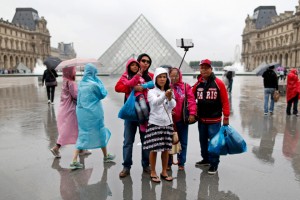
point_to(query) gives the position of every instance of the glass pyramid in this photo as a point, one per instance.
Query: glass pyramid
(140, 37)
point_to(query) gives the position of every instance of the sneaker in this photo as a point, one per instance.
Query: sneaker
(109, 158)
(55, 152)
(52, 103)
(49, 101)
(296, 115)
(271, 113)
(202, 163)
(85, 152)
(212, 170)
(76, 165)
(125, 172)
(265, 113)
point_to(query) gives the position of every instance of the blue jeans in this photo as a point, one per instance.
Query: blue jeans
(269, 92)
(206, 133)
(130, 129)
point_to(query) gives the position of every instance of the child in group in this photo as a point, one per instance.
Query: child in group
(66, 119)
(90, 116)
(134, 78)
(159, 132)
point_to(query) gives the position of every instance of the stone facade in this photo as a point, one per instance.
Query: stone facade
(268, 37)
(24, 40)
(64, 51)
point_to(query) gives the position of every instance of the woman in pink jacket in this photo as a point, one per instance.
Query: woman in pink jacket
(292, 92)
(66, 120)
(179, 88)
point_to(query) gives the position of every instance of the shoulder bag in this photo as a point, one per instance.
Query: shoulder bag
(51, 83)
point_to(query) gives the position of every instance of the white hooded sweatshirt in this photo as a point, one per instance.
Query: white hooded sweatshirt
(160, 106)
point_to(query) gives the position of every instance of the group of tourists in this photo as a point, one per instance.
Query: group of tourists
(159, 98)
(165, 93)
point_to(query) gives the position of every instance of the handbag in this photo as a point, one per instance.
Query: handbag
(276, 96)
(176, 148)
(185, 110)
(175, 138)
(128, 112)
(51, 83)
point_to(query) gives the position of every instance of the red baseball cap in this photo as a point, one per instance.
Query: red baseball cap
(205, 61)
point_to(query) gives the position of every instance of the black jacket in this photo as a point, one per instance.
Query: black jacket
(49, 75)
(270, 79)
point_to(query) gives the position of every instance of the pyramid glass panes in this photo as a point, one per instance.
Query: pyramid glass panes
(140, 37)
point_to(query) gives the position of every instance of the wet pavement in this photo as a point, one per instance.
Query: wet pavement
(270, 169)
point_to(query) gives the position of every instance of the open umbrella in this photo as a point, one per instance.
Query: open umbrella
(77, 62)
(230, 68)
(52, 62)
(263, 67)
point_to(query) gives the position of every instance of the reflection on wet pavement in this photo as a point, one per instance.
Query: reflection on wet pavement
(269, 170)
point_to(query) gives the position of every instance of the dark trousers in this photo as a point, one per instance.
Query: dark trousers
(295, 107)
(50, 92)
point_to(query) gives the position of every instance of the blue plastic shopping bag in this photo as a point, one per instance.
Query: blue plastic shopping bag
(128, 112)
(217, 143)
(234, 141)
(227, 141)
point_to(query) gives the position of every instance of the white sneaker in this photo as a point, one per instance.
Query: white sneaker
(55, 152)
(76, 165)
(49, 101)
(52, 103)
(109, 158)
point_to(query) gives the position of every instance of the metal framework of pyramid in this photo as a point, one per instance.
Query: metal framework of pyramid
(140, 37)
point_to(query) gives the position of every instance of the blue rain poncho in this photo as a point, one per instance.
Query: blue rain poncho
(92, 132)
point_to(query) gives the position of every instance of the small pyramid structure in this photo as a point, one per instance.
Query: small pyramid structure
(140, 37)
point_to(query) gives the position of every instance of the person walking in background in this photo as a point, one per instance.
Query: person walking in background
(92, 132)
(158, 137)
(270, 86)
(49, 79)
(181, 91)
(292, 92)
(285, 72)
(130, 127)
(66, 120)
(229, 76)
(212, 100)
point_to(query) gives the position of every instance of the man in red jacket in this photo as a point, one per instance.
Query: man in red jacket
(212, 100)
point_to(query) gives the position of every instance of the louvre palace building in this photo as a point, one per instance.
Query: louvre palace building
(24, 40)
(269, 37)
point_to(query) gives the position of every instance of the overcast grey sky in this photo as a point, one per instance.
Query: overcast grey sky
(215, 26)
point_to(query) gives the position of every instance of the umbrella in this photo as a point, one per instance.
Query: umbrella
(230, 68)
(263, 67)
(52, 62)
(77, 62)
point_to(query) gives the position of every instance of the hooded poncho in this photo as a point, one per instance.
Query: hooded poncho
(92, 132)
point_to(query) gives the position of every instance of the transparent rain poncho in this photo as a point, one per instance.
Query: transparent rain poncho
(92, 131)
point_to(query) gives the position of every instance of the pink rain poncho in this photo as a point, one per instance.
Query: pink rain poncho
(66, 120)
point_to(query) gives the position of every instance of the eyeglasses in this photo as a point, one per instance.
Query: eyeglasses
(145, 61)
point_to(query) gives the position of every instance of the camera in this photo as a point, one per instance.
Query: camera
(184, 43)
